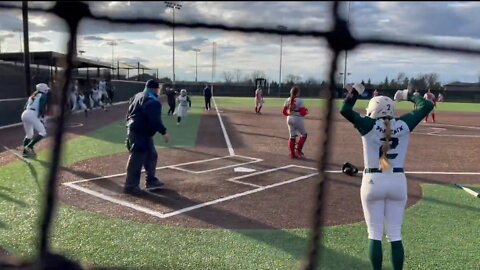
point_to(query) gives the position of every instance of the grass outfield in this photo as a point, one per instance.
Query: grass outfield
(439, 231)
(243, 102)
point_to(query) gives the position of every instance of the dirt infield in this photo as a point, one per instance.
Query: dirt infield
(203, 189)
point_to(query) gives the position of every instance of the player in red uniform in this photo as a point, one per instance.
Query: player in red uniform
(430, 97)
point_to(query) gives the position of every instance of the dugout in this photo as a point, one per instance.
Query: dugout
(44, 66)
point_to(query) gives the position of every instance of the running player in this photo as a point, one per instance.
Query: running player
(184, 103)
(430, 97)
(295, 111)
(33, 119)
(384, 186)
(258, 100)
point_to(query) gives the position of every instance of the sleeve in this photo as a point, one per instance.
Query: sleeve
(154, 109)
(285, 108)
(42, 106)
(423, 108)
(362, 124)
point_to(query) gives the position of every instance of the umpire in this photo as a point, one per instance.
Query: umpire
(143, 122)
(171, 100)
(207, 93)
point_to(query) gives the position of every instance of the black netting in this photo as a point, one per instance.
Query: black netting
(339, 39)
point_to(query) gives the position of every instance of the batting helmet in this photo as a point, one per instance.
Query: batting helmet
(380, 106)
(42, 87)
(349, 169)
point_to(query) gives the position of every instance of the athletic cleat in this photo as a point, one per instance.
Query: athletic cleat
(134, 191)
(28, 152)
(300, 155)
(154, 184)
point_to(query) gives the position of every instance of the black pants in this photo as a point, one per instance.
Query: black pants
(172, 107)
(207, 103)
(110, 96)
(142, 154)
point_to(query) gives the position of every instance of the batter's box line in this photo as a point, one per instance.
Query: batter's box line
(186, 209)
(253, 160)
(174, 166)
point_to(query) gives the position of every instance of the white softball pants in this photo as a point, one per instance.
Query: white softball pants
(31, 122)
(296, 125)
(384, 197)
(182, 111)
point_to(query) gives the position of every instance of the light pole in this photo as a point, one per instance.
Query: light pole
(283, 28)
(346, 52)
(196, 62)
(112, 43)
(173, 6)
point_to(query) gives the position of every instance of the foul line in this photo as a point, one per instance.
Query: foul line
(50, 117)
(227, 139)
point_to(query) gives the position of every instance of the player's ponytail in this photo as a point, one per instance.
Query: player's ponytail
(293, 94)
(384, 164)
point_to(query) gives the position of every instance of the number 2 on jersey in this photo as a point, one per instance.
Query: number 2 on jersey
(393, 145)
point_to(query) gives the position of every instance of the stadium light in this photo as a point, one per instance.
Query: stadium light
(196, 62)
(112, 43)
(283, 28)
(173, 6)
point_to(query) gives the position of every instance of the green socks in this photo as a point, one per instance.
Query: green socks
(26, 141)
(376, 257)
(397, 255)
(375, 253)
(34, 141)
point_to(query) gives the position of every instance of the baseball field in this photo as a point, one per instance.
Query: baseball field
(233, 198)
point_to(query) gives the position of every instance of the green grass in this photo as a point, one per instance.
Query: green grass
(440, 232)
(244, 102)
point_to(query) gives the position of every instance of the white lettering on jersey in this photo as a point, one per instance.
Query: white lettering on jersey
(374, 140)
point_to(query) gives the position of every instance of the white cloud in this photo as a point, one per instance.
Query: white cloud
(450, 22)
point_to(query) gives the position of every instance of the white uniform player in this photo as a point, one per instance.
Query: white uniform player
(102, 86)
(33, 118)
(73, 95)
(97, 97)
(295, 110)
(384, 187)
(258, 100)
(184, 103)
(430, 97)
(81, 103)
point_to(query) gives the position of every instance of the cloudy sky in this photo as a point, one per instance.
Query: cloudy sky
(449, 22)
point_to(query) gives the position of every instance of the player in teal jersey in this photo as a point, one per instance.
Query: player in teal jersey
(33, 119)
(384, 185)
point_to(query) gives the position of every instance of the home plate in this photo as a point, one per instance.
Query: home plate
(243, 169)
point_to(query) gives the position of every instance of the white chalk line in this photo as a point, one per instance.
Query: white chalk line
(225, 135)
(252, 160)
(116, 201)
(50, 117)
(175, 167)
(193, 207)
(439, 129)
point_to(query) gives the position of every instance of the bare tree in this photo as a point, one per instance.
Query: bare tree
(257, 74)
(228, 76)
(311, 81)
(238, 74)
(293, 79)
